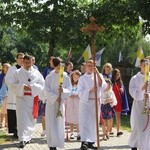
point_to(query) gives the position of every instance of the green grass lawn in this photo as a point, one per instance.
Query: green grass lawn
(4, 138)
(125, 122)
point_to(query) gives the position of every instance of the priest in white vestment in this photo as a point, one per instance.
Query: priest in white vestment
(55, 126)
(27, 84)
(87, 114)
(140, 136)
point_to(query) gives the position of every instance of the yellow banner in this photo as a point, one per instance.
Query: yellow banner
(140, 54)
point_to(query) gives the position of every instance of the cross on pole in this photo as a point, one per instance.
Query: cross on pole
(91, 30)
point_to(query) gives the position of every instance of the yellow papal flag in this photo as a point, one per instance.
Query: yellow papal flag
(140, 56)
(87, 53)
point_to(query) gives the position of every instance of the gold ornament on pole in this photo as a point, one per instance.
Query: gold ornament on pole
(92, 29)
(61, 71)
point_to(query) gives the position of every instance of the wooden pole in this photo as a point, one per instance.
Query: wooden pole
(96, 100)
(92, 29)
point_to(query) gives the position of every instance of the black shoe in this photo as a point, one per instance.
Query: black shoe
(78, 137)
(15, 135)
(53, 148)
(119, 133)
(28, 142)
(72, 136)
(22, 144)
(133, 148)
(84, 146)
(91, 145)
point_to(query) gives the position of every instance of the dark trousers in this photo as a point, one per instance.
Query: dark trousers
(12, 121)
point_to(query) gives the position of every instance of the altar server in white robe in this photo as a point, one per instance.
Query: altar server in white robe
(87, 115)
(27, 84)
(11, 98)
(140, 136)
(55, 126)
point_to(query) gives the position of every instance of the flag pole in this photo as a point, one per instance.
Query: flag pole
(92, 29)
(79, 59)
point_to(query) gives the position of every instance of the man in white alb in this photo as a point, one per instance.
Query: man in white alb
(27, 84)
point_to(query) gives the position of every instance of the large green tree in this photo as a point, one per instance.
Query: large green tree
(53, 22)
(57, 23)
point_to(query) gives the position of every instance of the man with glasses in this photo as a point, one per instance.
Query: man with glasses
(11, 100)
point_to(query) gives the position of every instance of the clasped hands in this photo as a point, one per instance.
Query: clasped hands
(109, 100)
(27, 87)
(146, 95)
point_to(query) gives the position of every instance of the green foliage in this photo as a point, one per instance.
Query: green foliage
(49, 22)
(7, 46)
(5, 139)
(125, 123)
(13, 42)
(52, 27)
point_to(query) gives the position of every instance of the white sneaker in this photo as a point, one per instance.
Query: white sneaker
(72, 136)
(43, 134)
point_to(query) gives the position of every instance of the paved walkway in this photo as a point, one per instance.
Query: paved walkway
(38, 143)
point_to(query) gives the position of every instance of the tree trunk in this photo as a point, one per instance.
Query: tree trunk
(52, 46)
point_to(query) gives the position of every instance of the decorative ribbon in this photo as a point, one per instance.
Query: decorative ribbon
(27, 93)
(35, 107)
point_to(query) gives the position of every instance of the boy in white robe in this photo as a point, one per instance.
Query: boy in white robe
(27, 84)
(87, 115)
(139, 137)
(55, 126)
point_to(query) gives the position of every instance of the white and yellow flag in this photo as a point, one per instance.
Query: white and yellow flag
(140, 56)
(87, 53)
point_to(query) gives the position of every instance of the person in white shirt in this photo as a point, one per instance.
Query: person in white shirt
(11, 98)
(108, 100)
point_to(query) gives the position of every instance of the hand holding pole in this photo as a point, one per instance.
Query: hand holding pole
(59, 113)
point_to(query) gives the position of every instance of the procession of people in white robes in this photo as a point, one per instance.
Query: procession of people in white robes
(26, 85)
